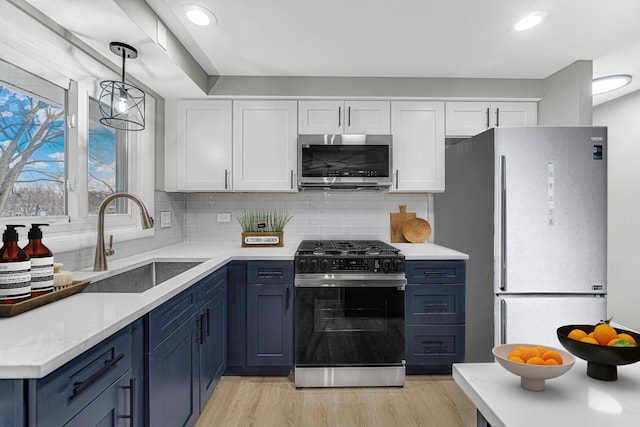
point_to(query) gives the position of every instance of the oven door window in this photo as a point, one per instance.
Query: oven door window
(345, 161)
(349, 326)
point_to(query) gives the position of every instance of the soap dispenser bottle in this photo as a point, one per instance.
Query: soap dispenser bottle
(41, 262)
(15, 269)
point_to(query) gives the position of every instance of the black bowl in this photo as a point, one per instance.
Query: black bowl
(602, 360)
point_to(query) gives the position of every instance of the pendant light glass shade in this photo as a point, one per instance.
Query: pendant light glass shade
(122, 104)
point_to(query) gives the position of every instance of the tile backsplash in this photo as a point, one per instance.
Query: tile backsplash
(316, 215)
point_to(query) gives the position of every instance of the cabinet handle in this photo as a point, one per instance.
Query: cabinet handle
(339, 116)
(265, 274)
(442, 307)
(433, 346)
(396, 179)
(132, 402)
(287, 295)
(436, 273)
(80, 386)
(208, 322)
(292, 179)
(349, 123)
(487, 126)
(497, 117)
(226, 179)
(199, 330)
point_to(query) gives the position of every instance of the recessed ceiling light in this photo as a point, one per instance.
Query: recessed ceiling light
(609, 83)
(530, 21)
(200, 15)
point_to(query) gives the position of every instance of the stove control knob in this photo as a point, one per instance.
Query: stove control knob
(398, 265)
(325, 265)
(303, 265)
(313, 265)
(386, 265)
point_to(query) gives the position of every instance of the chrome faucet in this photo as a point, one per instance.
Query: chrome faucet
(100, 261)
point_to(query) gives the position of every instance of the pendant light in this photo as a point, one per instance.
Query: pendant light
(122, 104)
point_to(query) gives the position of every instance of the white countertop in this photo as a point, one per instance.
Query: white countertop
(573, 399)
(37, 342)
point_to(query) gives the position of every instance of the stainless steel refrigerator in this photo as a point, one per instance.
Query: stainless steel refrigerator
(529, 206)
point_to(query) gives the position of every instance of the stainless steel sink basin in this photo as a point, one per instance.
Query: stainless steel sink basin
(141, 278)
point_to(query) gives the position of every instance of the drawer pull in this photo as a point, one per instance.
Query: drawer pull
(442, 307)
(132, 402)
(270, 274)
(434, 346)
(80, 386)
(436, 273)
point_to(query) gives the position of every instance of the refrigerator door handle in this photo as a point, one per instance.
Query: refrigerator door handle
(503, 223)
(503, 321)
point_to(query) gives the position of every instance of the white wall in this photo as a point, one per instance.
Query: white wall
(567, 99)
(622, 116)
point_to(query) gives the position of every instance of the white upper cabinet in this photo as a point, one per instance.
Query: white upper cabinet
(418, 146)
(203, 148)
(470, 118)
(264, 145)
(344, 117)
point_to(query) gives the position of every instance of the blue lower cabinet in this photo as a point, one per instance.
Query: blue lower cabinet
(173, 378)
(184, 368)
(80, 385)
(270, 325)
(12, 403)
(112, 408)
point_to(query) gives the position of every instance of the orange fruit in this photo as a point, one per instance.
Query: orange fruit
(515, 359)
(551, 362)
(627, 337)
(590, 340)
(577, 334)
(535, 360)
(552, 355)
(604, 333)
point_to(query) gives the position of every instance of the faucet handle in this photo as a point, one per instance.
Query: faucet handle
(110, 251)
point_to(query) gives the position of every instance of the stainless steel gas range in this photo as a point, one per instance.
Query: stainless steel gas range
(349, 314)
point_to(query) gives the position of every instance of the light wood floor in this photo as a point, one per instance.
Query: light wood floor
(274, 402)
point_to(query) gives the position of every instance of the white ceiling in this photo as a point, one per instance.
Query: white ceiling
(392, 38)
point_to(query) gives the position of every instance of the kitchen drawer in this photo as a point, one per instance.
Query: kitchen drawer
(66, 391)
(434, 345)
(213, 284)
(425, 272)
(434, 304)
(269, 272)
(170, 315)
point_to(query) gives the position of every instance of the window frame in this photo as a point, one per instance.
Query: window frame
(77, 229)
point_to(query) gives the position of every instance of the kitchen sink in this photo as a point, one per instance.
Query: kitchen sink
(141, 278)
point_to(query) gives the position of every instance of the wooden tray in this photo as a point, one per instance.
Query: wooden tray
(8, 310)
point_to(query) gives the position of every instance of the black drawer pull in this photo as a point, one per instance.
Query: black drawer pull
(80, 386)
(132, 402)
(270, 274)
(442, 306)
(439, 273)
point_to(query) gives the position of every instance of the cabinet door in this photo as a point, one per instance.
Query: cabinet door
(270, 325)
(214, 336)
(367, 117)
(320, 117)
(465, 119)
(418, 146)
(204, 145)
(513, 114)
(111, 409)
(173, 378)
(264, 145)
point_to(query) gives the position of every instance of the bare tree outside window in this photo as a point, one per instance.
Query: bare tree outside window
(32, 173)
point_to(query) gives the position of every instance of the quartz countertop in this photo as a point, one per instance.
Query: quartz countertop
(35, 343)
(573, 399)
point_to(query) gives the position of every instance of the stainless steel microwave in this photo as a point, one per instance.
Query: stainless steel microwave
(347, 162)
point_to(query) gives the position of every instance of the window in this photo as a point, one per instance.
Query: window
(107, 160)
(32, 145)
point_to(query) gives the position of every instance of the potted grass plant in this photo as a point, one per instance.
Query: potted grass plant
(262, 227)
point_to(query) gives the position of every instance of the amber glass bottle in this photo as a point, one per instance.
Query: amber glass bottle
(41, 262)
(15, 269)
